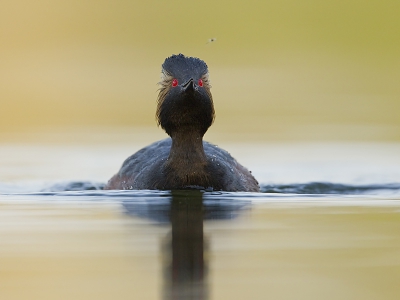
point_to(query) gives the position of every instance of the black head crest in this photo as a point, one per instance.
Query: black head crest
(184, 65)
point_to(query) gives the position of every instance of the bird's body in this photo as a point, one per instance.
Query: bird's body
(151, 168)
(185, 111)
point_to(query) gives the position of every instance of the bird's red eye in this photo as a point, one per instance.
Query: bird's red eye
(200, 82)
(174, 82)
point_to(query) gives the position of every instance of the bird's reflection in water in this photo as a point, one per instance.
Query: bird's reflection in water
(184, 249)
(185, 272)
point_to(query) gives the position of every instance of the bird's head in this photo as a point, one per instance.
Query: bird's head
(184, 103)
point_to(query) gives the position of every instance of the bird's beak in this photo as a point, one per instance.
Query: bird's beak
(188, 86)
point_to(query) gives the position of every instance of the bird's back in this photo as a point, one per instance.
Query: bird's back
(145, 170)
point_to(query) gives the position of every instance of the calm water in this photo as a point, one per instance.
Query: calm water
(327, 226)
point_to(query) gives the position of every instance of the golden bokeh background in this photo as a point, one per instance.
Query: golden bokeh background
(302, 70)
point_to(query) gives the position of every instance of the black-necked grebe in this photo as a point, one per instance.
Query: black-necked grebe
(185, 111)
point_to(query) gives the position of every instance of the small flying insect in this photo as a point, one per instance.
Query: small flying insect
(212, 40)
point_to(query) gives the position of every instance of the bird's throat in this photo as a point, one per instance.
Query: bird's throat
(187, 157)
(187, 148)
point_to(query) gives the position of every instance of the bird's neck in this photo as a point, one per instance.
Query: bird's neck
(187, 149)
(187, 164)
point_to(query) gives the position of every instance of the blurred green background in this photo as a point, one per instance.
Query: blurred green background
(291, 70)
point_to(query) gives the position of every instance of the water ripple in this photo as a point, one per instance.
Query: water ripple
(321, 188)
(86, 190)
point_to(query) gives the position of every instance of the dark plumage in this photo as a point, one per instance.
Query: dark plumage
(185, 111)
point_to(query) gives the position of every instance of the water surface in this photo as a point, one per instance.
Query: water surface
(62, 237)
